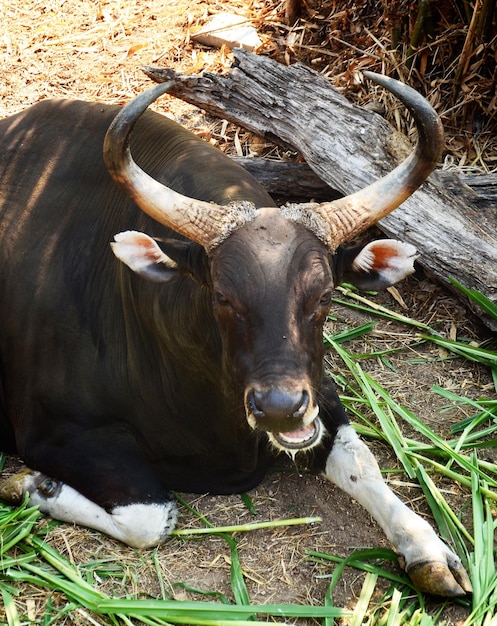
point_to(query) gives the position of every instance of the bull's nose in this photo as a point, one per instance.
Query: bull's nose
(277, 404)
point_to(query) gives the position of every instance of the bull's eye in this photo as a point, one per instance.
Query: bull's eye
(222, 299)
(325, 299)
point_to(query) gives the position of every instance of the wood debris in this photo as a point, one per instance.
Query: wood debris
(228, 29)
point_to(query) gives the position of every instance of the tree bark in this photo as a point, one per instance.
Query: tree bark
(295, 181)
(348, 148)
(288, 181)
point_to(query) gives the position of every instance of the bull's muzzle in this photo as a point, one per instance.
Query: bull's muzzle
(289, 417)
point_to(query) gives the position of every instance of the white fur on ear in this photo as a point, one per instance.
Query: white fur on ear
(390, 259)
(142, 254)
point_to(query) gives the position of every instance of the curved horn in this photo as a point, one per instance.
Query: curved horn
(203, 222)
(349, 216)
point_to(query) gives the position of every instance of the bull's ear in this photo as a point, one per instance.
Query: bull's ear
(377, 265)
(142, 254)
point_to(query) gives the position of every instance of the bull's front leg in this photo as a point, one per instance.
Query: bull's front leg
(94, 477)
(431, 565)
(139, 525)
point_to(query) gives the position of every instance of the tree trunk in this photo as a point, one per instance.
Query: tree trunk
(349, 147)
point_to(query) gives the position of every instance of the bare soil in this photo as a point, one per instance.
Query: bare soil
(92, 50)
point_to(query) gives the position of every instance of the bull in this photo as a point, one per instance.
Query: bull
(198, 359)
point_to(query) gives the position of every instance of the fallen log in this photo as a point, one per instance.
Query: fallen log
(349, 147)
(295, 181)
(288, 181)
(482, 189)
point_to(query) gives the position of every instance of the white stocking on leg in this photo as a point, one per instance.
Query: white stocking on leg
(429, 562)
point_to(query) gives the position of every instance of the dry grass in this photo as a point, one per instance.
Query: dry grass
(449, 61)
(93, 50)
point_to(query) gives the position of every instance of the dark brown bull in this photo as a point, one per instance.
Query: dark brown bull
(116, 390)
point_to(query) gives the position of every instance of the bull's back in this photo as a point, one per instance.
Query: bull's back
(62, 324)
(58, 144)
(59, 207)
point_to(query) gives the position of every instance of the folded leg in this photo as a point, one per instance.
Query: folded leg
(138, 525)
(100, 480)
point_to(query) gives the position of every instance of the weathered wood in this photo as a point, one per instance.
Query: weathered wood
(296, 181)
(349, 147)
(482, 188)
(288, 181)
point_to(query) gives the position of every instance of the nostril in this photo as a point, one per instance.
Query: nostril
(278, 404)
(303, 406)
(254, 407)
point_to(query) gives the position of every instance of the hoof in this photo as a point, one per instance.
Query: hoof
(437, 578)
(14, 488)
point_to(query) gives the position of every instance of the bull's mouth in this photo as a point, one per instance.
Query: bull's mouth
(274, 411)
(301, 439)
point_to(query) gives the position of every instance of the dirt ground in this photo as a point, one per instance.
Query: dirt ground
(92, 49)
(275, 563)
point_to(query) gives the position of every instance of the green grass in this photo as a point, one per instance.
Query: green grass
(457, 459)
(426, 454)
(387, 598)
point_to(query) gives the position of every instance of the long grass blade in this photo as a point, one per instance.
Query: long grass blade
(364, 304)
(10, 609)
(478, 298)
(174, 610)
(245, 527)
(473, 353)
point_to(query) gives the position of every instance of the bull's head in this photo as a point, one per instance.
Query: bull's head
(272, 270)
